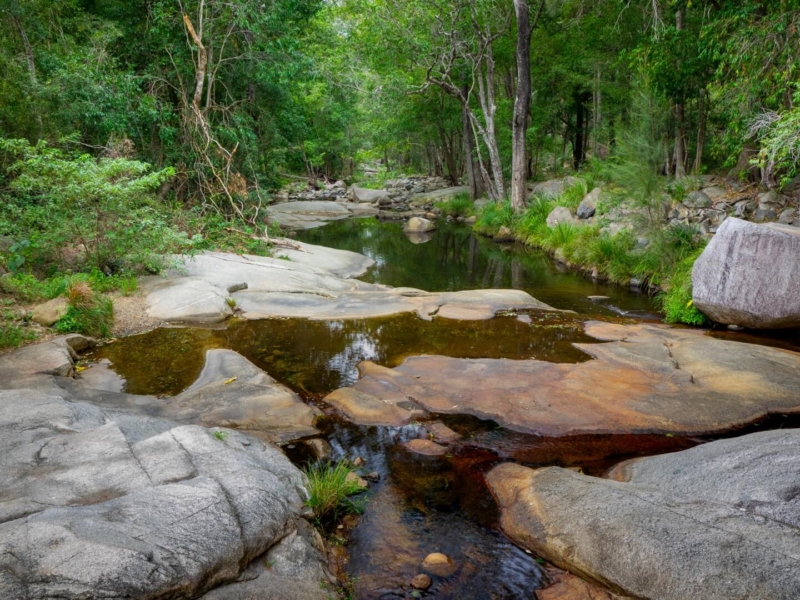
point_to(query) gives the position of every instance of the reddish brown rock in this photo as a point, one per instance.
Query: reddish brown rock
(442, 433)
(439, 564)
(647, 379)
(421, 582)
(425, 448)
(568, 587)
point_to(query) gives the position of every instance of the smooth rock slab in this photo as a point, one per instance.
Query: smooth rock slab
(383, 302)
(749, 275)
(648, 379)
(720, 521)
(307, 214)
(89, 512)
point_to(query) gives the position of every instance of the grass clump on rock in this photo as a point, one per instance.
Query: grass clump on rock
(329, 489)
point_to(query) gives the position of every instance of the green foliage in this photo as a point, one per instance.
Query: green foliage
(571, 196)
(676, 301)
(89, 313)
(13, 335)
(329, 490)
(86, 212)
(458, 206)
(494, 216)
(221, 435)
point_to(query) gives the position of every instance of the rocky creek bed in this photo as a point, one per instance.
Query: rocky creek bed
(149, 467)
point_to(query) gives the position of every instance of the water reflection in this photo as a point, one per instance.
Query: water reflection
(316, 357)
(423, 506)
(455, 259)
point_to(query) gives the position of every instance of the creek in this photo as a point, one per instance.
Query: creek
(421, 504)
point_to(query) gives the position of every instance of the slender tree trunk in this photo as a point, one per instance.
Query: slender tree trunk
(473, 180)
(522, 103)
(598, 113)
(680, 119)
(449, 156)
(701, 131)
(577, 147)
(489, 107)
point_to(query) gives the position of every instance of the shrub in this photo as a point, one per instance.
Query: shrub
(93, 316)
(13, 336)
(458, 206)
(494, 216)
(82, 212)
(676, 301)
(329, 489)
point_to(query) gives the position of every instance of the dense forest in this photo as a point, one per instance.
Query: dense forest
(133, 128)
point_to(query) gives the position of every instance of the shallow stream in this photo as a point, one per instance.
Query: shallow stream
(421, 504)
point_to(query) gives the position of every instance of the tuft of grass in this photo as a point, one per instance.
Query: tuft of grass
(94, 317)
(221, 435)
(571, 197)
(458, 206)
(329, 490)
(676, 301)
(494, 216)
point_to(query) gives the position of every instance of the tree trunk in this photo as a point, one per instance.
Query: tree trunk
(489, 107)
(473, 180)
(680, 119)
(598, 112)
(578, 156)
(449, 156)
(522, 103)
(701, 131)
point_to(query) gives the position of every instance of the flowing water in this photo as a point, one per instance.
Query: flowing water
(421, 504)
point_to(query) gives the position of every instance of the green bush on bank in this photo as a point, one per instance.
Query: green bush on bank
(666, 261)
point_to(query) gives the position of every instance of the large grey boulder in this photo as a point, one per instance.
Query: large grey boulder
(91, 512)
(367, 195)
(720, 521)
(560, 214)
(697, 199)
(552, 188)
(749, 275)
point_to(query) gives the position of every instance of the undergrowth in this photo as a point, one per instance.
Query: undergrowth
(459, 205)
(665, 259)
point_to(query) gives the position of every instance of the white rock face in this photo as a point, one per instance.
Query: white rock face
(749, 275)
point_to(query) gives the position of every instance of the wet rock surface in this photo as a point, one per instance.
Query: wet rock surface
(229, 392)
(749, 275)
(719, 521)
(313, 283)
(647, 379)
(100, 501)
